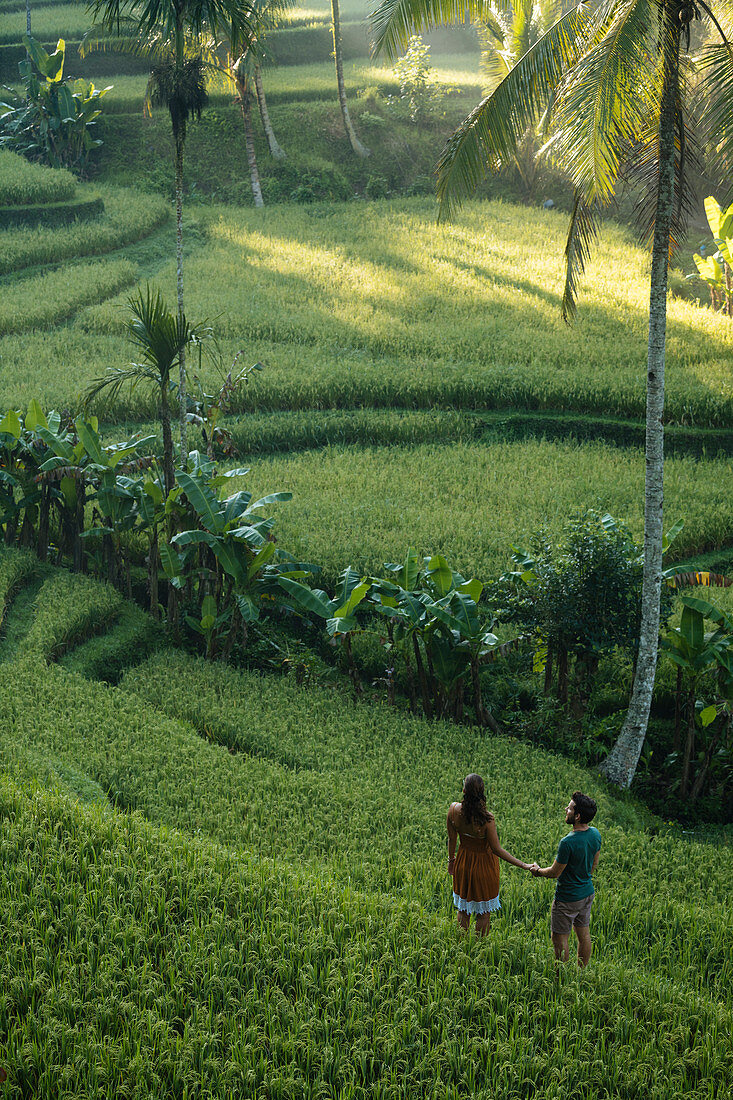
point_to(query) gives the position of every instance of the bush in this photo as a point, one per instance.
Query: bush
(376, 187)
(305, 181)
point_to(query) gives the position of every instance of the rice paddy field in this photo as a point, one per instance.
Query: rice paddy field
(240, 889)
(224, 883)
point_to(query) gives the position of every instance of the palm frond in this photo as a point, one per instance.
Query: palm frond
(642, 169)
(179, 87)
(115, 379)
(581, 235)
(603, 104)
(158, 333)
(489, 136)
(716, 63)
(520, 40)
(394, 21)
(171, 20)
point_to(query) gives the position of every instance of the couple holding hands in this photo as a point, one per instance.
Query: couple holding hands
(475, 869)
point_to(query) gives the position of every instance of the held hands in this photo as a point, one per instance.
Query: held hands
(534, 869)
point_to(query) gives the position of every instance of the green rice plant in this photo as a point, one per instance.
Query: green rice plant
(16, 568)
(471, 502)
(356, 311)
(256, 434)
(23, 183)
(176, 777)
(68, 609)
(50, 21)
(220, 974)
(132, 637)
(39, 301)
(128, 217)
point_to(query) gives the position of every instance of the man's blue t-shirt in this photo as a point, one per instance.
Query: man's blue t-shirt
(577, 850)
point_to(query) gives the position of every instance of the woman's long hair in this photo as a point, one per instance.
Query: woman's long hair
(474, 800)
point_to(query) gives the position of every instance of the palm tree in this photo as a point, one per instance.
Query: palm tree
(240, 72)
(244, 70)
(276, 150)
(610, 80)
(358, 147)
(159, 336)
(505, 34)
(173, 32)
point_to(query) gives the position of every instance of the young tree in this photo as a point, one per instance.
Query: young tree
(159, 336)
(609, 81)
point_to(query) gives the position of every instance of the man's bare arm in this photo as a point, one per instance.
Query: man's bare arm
(550, 872)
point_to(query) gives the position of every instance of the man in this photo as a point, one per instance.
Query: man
(575, 863)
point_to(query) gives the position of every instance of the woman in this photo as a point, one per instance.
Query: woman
(475, 869)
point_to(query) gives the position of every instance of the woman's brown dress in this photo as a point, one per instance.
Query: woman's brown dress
(475, 870)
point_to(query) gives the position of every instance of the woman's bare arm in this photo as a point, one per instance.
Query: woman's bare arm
(496, 848)
(452, 837)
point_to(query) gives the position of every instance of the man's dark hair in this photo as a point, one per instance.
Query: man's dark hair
(585, 806)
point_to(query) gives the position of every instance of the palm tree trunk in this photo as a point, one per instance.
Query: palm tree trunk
(169, 476)
(620, 765)
(245, 100)
(179, 138)
(356, 145)
(276, 150)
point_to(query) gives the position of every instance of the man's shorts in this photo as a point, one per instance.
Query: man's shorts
(565, 914)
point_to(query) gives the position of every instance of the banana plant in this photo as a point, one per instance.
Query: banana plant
(433, 617)
(19, 494)
(716, 270)
(339, 613)
(696, 652)
(226, 553)
(55, 118)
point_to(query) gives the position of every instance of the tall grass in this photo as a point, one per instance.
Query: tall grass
(374, 304)
(127, 217)
(142, 963)
(49, 22)
(280, 924)
(471, 501)
(25, 184)
(303, 83)
(44, 300)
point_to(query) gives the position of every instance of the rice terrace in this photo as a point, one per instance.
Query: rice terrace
(366, 556)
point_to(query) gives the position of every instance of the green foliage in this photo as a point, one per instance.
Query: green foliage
(50, 21)
(16, 568)
(477, 325)
(55, 119)
(715, 269)
(338, 924)
(421, 94)
(25, 184)
(52, 214)
(131, 638)
(305, 180)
